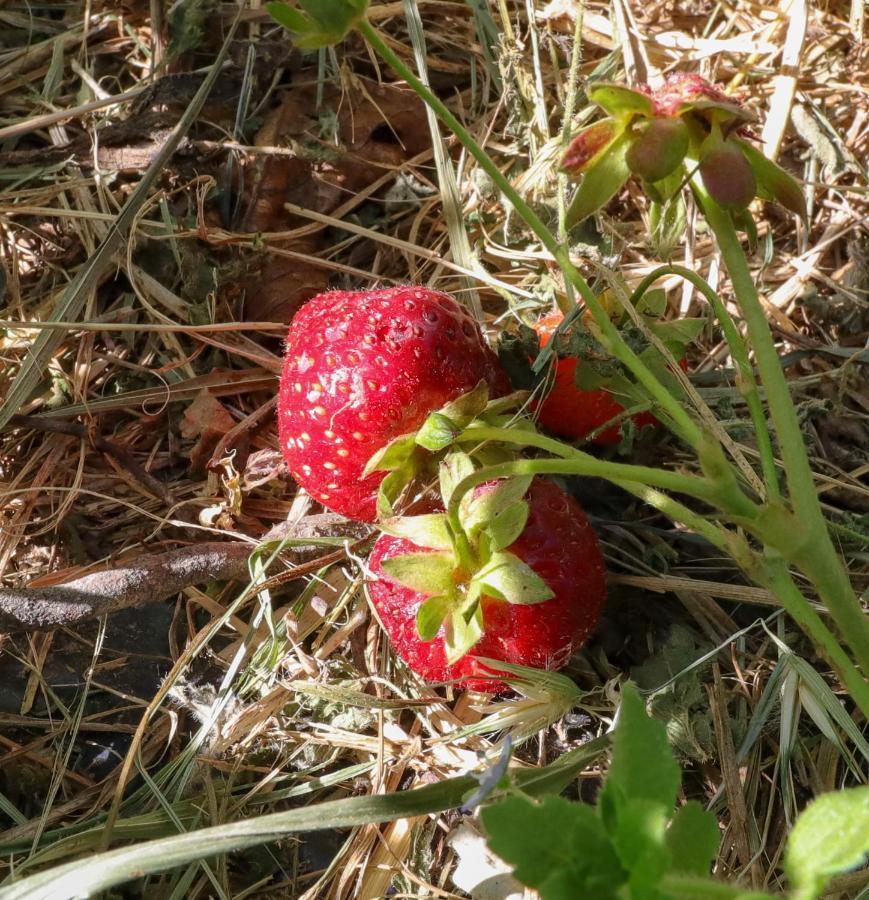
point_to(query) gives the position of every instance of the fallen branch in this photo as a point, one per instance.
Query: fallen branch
(154, 577)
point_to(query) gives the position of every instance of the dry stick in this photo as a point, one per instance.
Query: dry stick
(154, 577)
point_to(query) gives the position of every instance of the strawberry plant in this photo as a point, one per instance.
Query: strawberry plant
(636, 843)
(770, 522)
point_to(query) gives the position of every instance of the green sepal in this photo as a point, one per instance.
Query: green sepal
(773, 182)
(668, 216)
(744, 220)
(506, 577)
(506, 527)
(429, 530)
(327, 21)
(442, 427)
(426, 573)
(430, 616)
(396, 454)
(589, 145)
(620, 101)
(464, 627)
(455, 468)
(476, 512)
(601, 182)
(502, 404)
(390, 490)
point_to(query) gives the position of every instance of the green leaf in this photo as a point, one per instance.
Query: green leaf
(556, 847)
(679, 332)
(693, 839)
(642, 767)
(601, 182)
(621, 101)
(507, 526)
(464, 629)
(506, 577)
(773, 182)
(327, 21)
(455, 468)
(427, 573)
(424, 531)
(830, 836)
(478, 511)
(589, 145)
(430, 616)
(290, 18)
(638, 837)
(653, 303)
(394, 455)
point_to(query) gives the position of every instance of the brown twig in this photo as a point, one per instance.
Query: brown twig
(151, 578)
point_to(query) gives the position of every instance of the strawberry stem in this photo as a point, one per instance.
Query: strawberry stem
(804, 539)
(682, 423)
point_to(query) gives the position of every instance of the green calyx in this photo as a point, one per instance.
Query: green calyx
(410, 457)
(319, 23)
(458, 569)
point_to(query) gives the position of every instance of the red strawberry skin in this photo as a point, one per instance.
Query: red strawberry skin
(363, 367)
(559, 544)
(573, 413)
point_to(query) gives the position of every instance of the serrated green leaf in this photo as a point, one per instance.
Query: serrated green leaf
(506, 577)
(463, 629)
(643, 766)
(424, 531)
(507, 526)
(430, 616)
(427, 573)
(693, 839)
(558, 848)
(830, 836)
(773, 182)
(478, 511)
(393, 456)
(620, 101)
(638, 837)
(601, 182)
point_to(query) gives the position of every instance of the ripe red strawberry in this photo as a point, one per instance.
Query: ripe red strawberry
(364, 367)
(559, 545)
(573, 413)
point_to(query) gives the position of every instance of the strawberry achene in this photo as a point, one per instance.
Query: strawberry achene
(364, 367)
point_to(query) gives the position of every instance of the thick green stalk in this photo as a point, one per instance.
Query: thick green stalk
(747, 384)
(777, 578)
(808, 544)
(580, 463)
(683, 424)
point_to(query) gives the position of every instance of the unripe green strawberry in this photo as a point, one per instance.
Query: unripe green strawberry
(728, 176)
(658, 149)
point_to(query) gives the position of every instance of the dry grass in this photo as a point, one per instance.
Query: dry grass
(228, 702)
